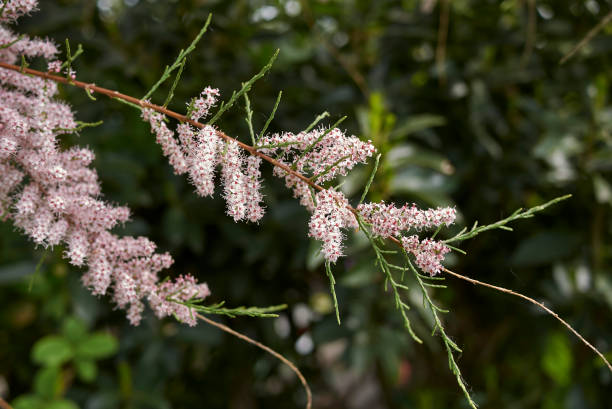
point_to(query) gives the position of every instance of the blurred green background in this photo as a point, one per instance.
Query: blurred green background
(480, 116)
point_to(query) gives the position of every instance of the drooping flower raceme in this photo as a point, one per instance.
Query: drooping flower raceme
(54, 196)
(428, 253)
(201, 105)
(330, 215)
(387, 220)
(198, 153)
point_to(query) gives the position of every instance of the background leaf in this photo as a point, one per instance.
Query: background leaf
(52, 350)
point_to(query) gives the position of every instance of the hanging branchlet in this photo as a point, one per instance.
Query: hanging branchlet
(67, 65)
(249, 117)
(396, 286)
(180, 60)
(270, 118)
(220, 309)
(246, 87)
(175, 83)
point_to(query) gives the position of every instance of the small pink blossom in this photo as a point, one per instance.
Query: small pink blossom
(201, 105)
(428, 253)
(54, 66)
(12, 9)
(184, 288)
(331, 214)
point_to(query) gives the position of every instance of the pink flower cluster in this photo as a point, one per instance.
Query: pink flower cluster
(428, 253)
(241, 188)
(184, 288)
(324, 154)
(54, 66)
(199, 153)
(331, 215)
(12, 9)
(387, 220)
(331, 154)
(201, 105)
(53, 195)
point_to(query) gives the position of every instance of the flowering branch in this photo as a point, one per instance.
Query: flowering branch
(266, 145)
(130, 263)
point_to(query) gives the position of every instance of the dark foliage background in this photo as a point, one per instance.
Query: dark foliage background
(496, 125)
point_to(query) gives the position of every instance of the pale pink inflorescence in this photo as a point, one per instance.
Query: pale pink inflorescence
(10, 10)
(331, 154)
(201, 105)
(53, 195)
(329, 217)
(324, 154)
(199, 152)
(184, 288)
(60, 203)
(387, 220)
(428, 253)
(253, 196)
(204, 158)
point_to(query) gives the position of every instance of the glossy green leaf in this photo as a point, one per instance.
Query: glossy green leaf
(28, 401)
(48, 382)
(86, 369)
(417, 123)
(52, 350)
(97, 346)
(557, 360)
(74, 329)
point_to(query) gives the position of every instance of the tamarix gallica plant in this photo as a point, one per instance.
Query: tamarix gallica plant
(54, 196)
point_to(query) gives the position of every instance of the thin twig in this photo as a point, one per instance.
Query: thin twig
(442, 39)
(588, 37)
(4, 404)
(269, 350)
(539, 304)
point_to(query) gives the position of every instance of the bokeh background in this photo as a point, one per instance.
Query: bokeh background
(468, 103)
